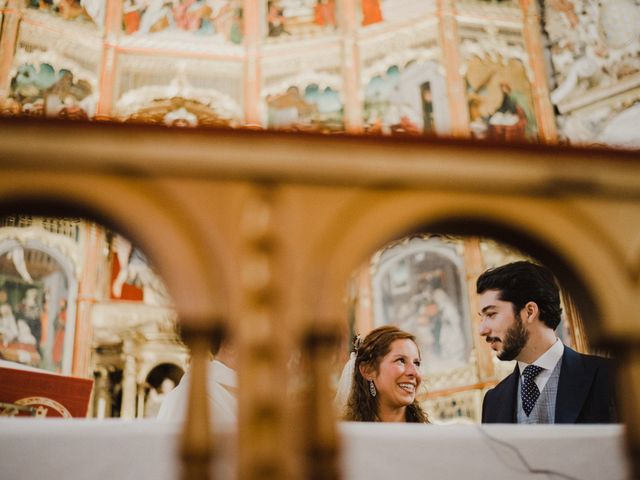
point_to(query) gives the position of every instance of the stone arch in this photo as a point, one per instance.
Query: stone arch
(144, 213)
(549, 230)
(171, 365)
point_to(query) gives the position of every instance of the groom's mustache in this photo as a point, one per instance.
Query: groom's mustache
(492, 339)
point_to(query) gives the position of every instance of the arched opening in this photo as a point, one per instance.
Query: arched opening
(453, 240)
(103, 310)
(160, 381)
(424, 284)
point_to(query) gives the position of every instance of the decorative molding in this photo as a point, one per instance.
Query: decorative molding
(31, 237)
(118, 319)
(494, 47)
(302, 80)
(58, 62)
(613, 92)
(412, 36)
(182, 43)
(577, 31)
(489, 10)
(52, 21)
(280, 63)
(133, 100)
(401, 59)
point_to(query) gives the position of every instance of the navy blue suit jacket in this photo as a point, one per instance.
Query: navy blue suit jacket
(585, 392)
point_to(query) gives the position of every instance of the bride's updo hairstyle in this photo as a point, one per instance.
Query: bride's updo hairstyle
(362, 406)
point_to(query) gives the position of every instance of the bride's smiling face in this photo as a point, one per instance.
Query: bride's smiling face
(398, 376)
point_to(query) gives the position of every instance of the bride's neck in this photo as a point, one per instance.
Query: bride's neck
(392, 415)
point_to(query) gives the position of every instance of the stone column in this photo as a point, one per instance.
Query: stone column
(140, 397)
(88, 293)
(101, 394)
(8, 42)
(456, 92)
(545, 116)
(129, 386)
(475, 266)
(252, 68)
(351, 68)
(108, 64)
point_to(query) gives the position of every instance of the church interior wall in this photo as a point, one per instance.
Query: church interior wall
(280, 240)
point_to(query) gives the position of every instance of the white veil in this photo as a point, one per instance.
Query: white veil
(344, 385)
(346, 379)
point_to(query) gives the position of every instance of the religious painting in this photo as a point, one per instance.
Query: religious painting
(500, 100)
(418, 286)
(411, 100)
(36, 315)
(300, 17)
(312, 108)
(220, 19)
(40, 89)
(89, 11)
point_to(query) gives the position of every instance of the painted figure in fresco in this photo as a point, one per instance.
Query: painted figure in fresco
(227, 19)
(451, 337)
(131, 14)
(29, 312)
(8, 325)
(288, 109)
(156, 396)
(59, 326)
(95, 9)
(325, 13)
(193, 15)
(24, 334)
(204, 17)
(509, 122)
(427, 108)
(275, 20)
(520, 311)
(156, 16)
(44, 91)
(371, 12)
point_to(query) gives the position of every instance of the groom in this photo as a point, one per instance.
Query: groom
(551, 383)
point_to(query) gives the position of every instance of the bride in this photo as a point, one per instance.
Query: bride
(380, 381)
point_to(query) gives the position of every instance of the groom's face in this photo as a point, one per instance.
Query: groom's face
(501, 326)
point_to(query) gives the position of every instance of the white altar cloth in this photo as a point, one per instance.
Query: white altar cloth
(114, 449)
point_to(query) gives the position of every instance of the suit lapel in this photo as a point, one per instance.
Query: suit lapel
(506, 398)
(573, 386)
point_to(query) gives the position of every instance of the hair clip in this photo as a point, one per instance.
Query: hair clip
(357, 342)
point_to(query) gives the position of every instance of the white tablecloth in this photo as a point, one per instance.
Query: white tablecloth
(114, 449)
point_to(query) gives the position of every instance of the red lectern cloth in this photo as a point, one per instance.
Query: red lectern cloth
(43, 394)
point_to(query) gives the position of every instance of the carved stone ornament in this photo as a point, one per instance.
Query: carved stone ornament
(593, 44)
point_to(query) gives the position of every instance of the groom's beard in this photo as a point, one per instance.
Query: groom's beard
(514, 340)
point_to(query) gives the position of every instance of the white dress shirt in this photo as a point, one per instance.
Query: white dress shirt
(548, 360)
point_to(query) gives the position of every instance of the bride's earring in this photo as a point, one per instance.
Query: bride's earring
(372, 388)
